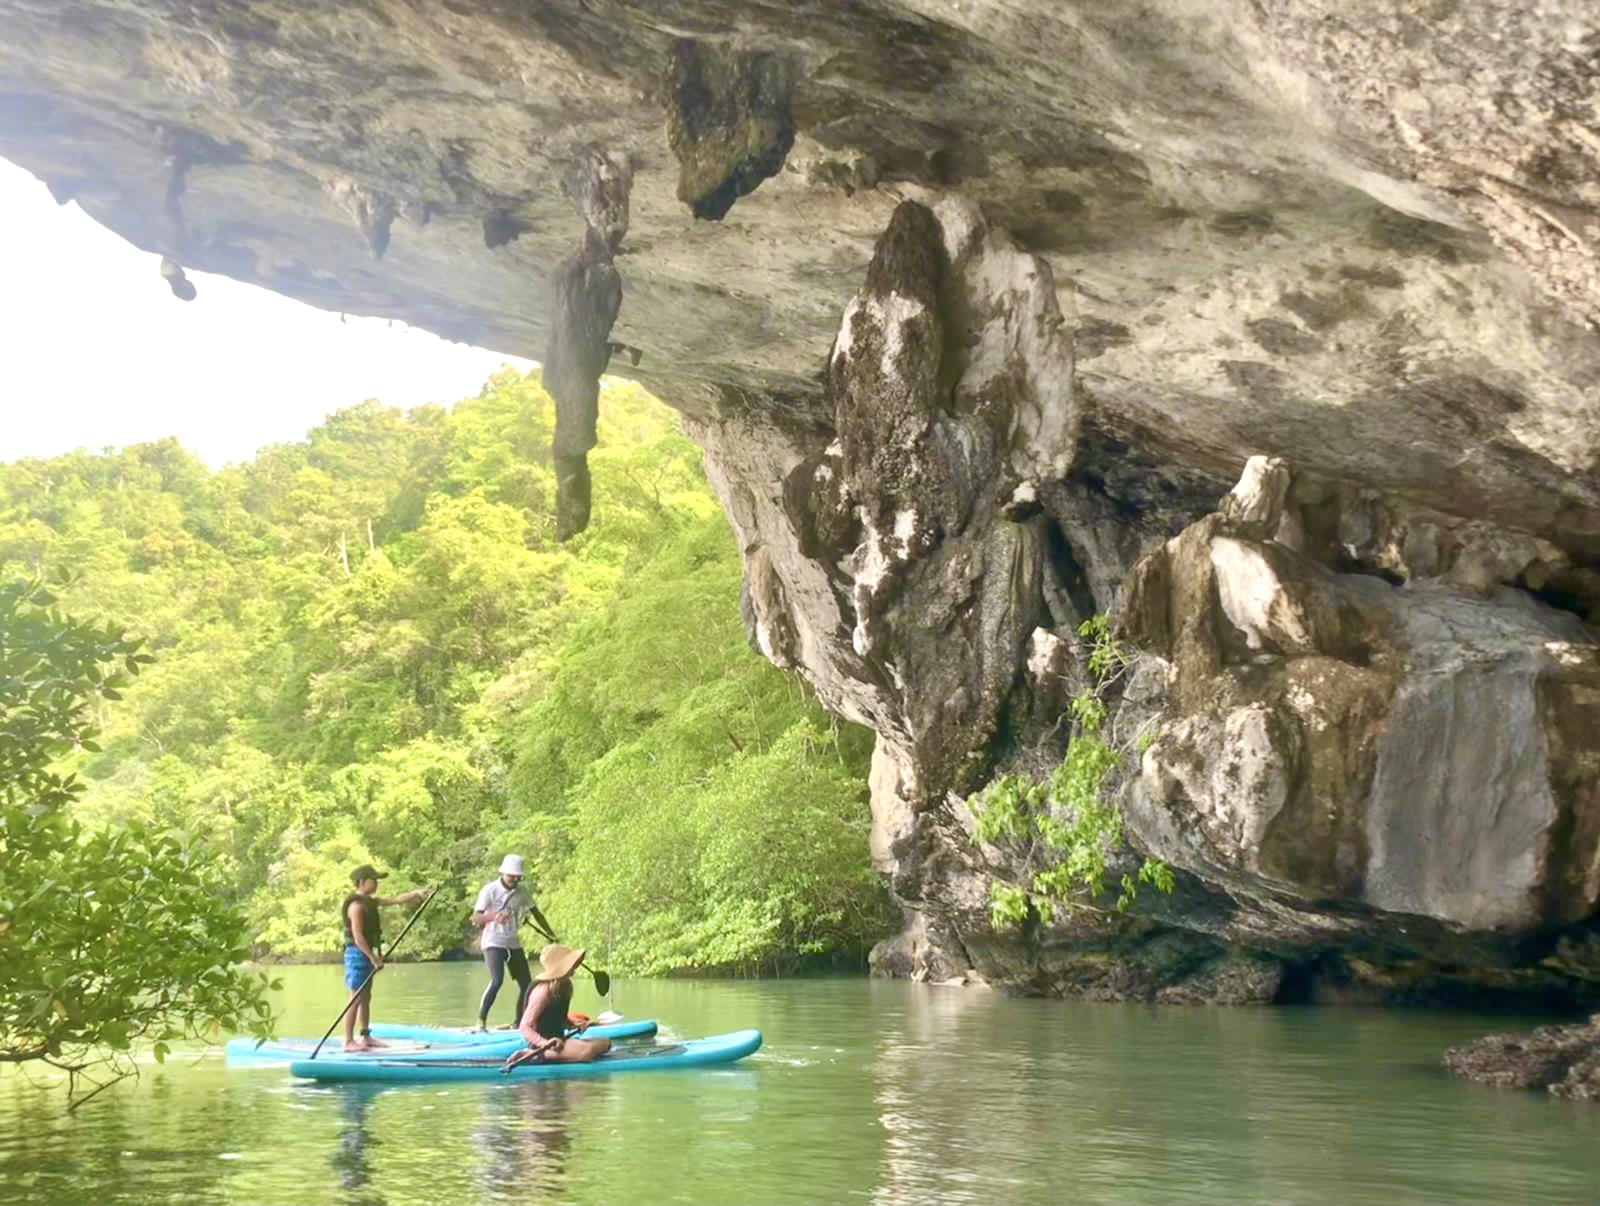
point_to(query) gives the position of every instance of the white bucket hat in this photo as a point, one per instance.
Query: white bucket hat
(511, 864)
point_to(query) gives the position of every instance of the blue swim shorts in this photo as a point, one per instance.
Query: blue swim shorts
(357, 967)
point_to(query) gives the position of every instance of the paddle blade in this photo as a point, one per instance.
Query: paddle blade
(602, 983)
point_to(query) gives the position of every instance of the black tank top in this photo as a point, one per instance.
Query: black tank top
(552, 1019)
(371, 927)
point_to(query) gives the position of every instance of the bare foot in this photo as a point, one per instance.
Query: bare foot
(372, 1042)
(355, 1045)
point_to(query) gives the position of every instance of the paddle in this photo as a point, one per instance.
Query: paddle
(602, 981)
(356, 996)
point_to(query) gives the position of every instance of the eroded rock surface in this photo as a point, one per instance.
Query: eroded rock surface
(1563, 1059)
(1335, 736)
(997, 301)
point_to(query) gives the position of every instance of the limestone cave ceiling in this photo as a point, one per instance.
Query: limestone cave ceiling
(1361, 236)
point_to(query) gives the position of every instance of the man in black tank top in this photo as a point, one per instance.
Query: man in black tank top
(363, 950)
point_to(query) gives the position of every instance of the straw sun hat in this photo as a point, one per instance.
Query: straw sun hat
(557, 962)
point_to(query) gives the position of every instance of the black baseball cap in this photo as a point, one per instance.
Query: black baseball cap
(365, 871)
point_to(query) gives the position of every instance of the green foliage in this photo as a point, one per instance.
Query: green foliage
(107, 936)
(1009, 905)
(1070, 823)
(689, 806)
(371, 647)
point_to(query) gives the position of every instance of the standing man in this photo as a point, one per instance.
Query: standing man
(499, 910)
(363, 950)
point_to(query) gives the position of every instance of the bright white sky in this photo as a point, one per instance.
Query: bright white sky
(95, 350)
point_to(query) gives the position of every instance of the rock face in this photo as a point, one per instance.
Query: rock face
(1314, 736)
(1335, 736)
(977, 310)
(1563, 1059)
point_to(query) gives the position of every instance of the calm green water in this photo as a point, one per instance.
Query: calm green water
(866, 1091)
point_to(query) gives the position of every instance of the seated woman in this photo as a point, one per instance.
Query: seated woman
(544, 1020)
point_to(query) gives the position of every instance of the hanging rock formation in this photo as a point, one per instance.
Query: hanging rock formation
(372, 212)
(999, 301)
(728, 122)
(588, 297)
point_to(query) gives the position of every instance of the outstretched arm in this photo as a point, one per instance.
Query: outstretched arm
(410, 897)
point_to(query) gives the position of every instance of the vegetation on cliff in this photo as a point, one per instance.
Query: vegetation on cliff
(1062, 830)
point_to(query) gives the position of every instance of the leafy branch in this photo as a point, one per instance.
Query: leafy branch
(1070, 823)
(107, 937)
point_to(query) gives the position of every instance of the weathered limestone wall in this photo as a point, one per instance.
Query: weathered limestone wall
(978, 309)
(1336, 736)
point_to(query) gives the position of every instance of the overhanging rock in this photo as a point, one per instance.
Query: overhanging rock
(1000, 298)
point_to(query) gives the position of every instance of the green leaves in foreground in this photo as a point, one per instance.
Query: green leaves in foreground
(106, 937)
(1064, 828)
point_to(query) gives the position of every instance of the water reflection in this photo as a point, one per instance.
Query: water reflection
(523, 1138)
(920, 1038)
(876, 1093)
(352, 1156)
(983, 1100)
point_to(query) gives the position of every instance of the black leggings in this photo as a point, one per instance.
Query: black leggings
(497, 957)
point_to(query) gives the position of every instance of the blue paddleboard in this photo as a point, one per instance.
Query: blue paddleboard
(242, 1051)
(475, 1065)
(412, 1044)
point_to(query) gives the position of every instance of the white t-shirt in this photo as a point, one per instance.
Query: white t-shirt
(494, 897)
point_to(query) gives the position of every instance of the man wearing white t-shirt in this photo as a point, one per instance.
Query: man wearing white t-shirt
(498, 911)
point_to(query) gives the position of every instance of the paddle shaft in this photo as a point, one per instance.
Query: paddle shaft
(356, 996)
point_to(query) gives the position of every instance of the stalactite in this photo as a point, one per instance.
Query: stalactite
(177, 163)
(588, 297)
(374, 212)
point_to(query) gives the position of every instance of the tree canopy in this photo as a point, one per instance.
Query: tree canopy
(369, 646)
